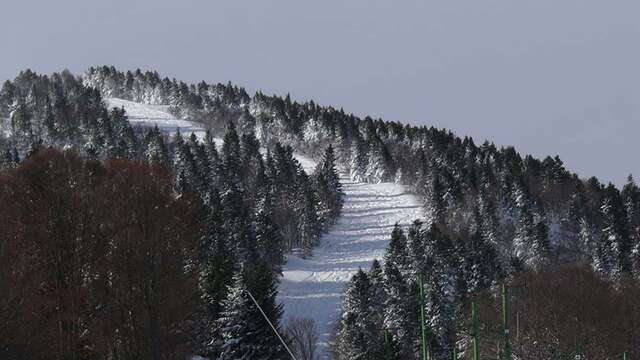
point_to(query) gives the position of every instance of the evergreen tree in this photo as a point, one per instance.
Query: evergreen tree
(441, 292)
(200, 164)
(359, 161)
(376, 277)
(262, 283)
(417, 249)
(435, 204)
(215, 169)
(156, 152)
(615, 246)
(400, 310)
(216, 275)
(358, 337)
(231, 154)
(480, 258)
(21, 122)
(309, 224)
(269, 241)
(377, 168)
(238, 323)
(631, 199)
(531, 236)
(397, 253)
(244, 332)
(328, 188)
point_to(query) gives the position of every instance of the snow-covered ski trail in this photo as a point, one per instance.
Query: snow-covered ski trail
(313, 287)
(144, 115)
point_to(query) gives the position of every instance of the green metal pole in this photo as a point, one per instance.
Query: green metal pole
(505, 323)
(624, 356)
(423, 328)
(474, 329)
(578, 351)
(455, 351)
(387, 345)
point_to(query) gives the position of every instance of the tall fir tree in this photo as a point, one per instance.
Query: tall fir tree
(309, 224)
(328, 188)
(400, 308)
(269, 241)
(359, 160)
(358, 337)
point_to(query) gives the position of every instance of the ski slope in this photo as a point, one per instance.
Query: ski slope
(312, 288)
(143, 115)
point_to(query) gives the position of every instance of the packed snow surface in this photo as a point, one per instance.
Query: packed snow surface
(156, 115)
(312, 288)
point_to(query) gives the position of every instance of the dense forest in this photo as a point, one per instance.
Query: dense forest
(123, 244)
(492, 216)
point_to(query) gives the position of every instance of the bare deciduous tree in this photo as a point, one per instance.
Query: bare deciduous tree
(303, 335)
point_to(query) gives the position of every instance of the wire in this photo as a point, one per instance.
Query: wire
(272, 327)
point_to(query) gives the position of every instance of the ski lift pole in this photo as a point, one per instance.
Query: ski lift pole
(455, 351)
(387, 345)
(505, 323)
(474, 330)
(425, 348)
(272, 327)
(624, 356)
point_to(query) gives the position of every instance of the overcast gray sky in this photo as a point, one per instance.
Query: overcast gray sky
(548, 76)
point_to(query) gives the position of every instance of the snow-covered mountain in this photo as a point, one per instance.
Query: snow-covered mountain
(312, 287)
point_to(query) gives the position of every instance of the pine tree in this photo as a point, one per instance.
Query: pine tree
(156, 152)
(400, 310)
(216, 275)
(231, 155)
(530, 242)
(200, 164)
(416, 249)
(269, 241)
(358, 337)
(213, 159)
(435, 204)
(442, 297)
(21, 122)
(480, 258)
(309, 224)
(184, 165)
(49, 122)
(262, 283)
(237, 323)
(328, 188)
(359, 161)
(631, 199)
(376, 277)
(397, 253)
(615, 246)
(377, 168)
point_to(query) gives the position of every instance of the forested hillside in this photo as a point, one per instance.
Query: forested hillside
(246, 210)
(492, 214)
(531, 211)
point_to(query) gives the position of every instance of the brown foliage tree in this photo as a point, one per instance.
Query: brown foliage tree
(562, 312)
(96, 260)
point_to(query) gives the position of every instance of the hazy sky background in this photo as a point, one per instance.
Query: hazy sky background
(548, 76)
